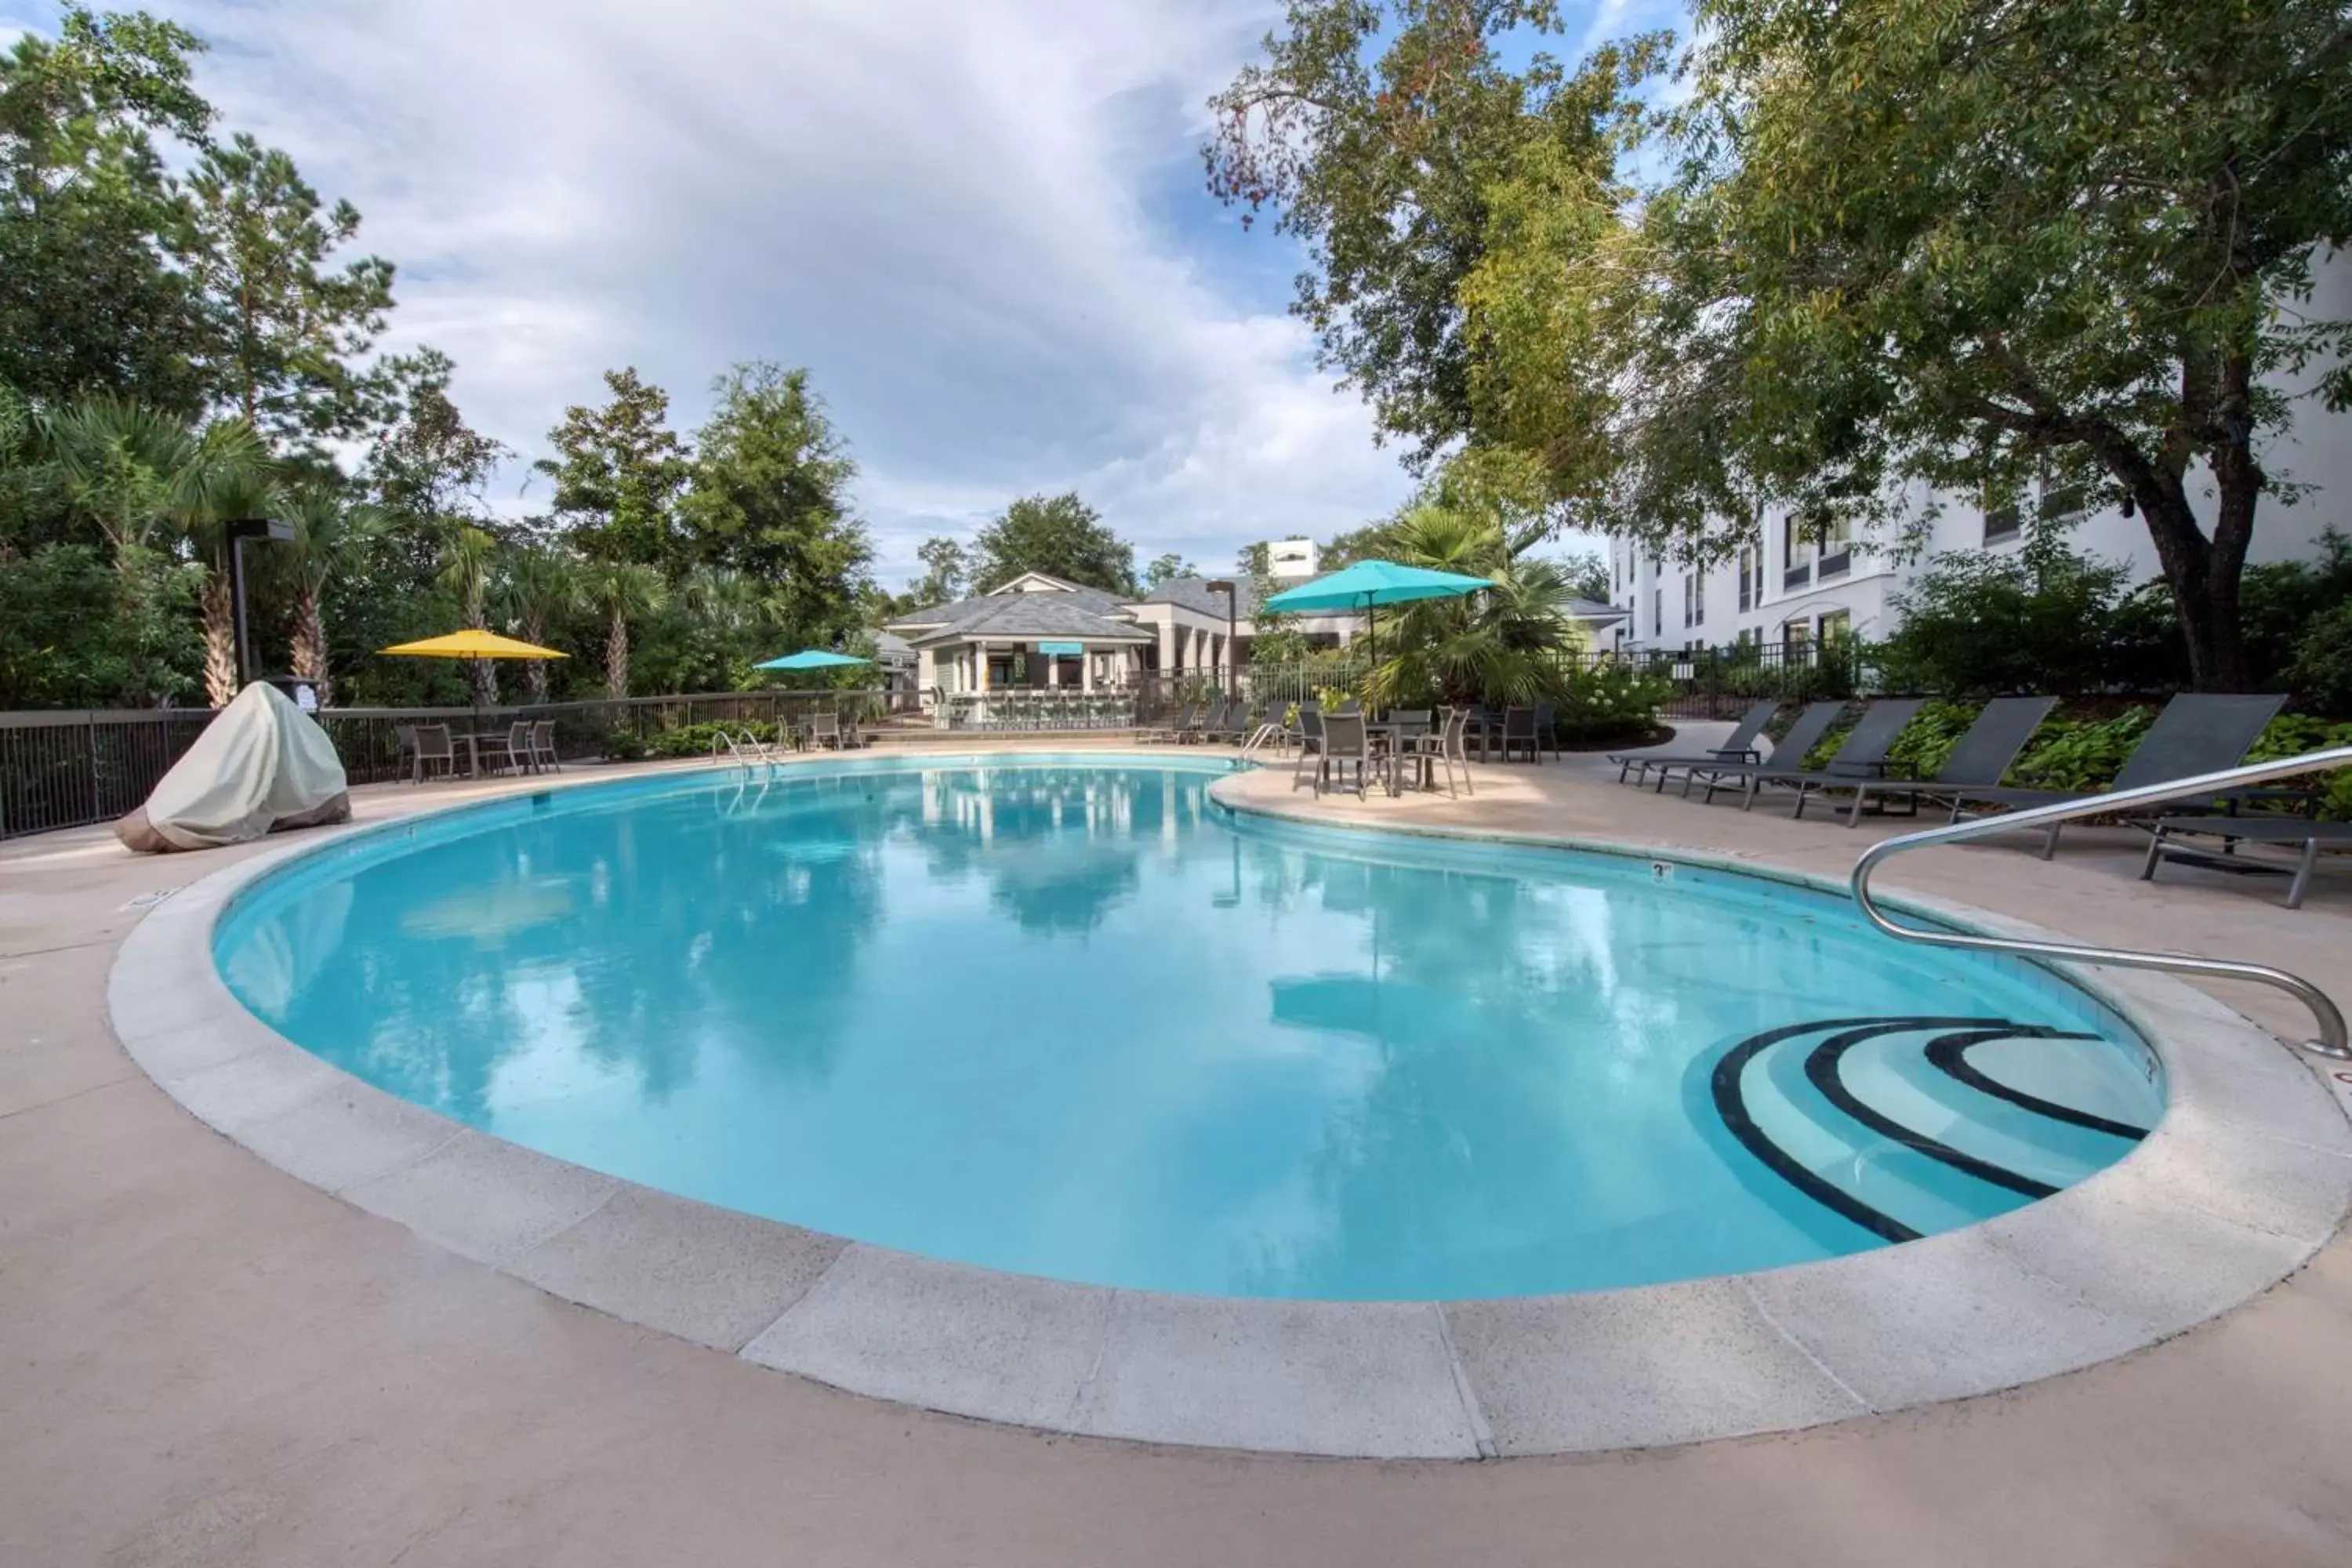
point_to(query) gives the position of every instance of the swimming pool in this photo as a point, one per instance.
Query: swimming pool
(1068, 1017)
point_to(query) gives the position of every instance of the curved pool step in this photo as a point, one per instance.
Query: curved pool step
(1887, 1123)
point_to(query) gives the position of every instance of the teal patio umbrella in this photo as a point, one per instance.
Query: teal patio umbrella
(812, 658)
(1367, 584)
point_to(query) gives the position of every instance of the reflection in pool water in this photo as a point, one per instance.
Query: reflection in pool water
(1074, 1020)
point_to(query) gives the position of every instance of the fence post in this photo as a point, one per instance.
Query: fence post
(97, 801)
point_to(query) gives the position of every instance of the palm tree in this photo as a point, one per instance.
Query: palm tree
(622, 591)
(469, 557)
(1502, 646)
(535, 585)
(223, 473)
(331, 534)
(138, 473)
(731, 608)
(112, 457)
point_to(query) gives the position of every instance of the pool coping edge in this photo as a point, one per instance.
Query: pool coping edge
(2248, 1174)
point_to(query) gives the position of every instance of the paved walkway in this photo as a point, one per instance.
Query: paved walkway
(204, 1361)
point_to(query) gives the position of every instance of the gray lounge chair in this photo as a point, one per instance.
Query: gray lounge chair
(1994, 737)
(1860, 755)
(1174, 730)
(1739, 747)
(2197, 732)
(1786, 752)
(2300, 834)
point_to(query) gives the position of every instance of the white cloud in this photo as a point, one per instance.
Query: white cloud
(955, 212)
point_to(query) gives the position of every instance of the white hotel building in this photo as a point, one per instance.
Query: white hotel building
(1783, 588)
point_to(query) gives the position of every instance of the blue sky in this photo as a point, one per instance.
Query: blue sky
(980, 222)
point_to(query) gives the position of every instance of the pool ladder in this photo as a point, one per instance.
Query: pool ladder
(2331, 1042)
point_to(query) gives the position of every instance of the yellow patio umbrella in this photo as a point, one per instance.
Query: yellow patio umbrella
(471, 643)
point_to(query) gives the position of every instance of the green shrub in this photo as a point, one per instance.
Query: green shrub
(626, 746)
(2292, 735)
(1927, 742)
(695, 739)
(2320, 675)
(78, 631)
(1976, 625)
(1607, 701)
(2080, 754)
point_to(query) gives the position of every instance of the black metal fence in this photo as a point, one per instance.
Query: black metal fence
(1697, 683)
(69, 769)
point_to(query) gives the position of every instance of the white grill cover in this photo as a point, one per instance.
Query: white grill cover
(260, 766)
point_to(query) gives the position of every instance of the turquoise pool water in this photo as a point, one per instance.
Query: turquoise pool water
(1069, 1018)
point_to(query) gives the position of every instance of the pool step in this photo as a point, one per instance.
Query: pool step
(1910, 1124)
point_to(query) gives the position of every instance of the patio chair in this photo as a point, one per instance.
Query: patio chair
(514, 752)
(1547, 727)
(2197, 732)
(432, 745)
(404, 737)
(1311, 748)
(1994, 737)
(824, 730)
(542, 746)
(1803, 735)
(1445, 745)
(1860, 756)
(1739, 746)
(1519, 733)
(1345, 740)
(2307, 838)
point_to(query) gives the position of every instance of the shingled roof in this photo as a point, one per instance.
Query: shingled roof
(1194, 593)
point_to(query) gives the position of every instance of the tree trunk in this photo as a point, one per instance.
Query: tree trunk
(2203, 573)
(536, 670)
(486, 684)
(617, 656)
(308, 656)
(219, 611)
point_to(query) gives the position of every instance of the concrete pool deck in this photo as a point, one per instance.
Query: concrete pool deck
(226, 1366)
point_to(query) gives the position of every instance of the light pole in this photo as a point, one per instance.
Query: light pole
(238, 532)
(1232, 591)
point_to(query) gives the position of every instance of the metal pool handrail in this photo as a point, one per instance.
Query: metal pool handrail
(2332, 1041)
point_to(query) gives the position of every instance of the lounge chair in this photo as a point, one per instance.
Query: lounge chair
(1232, 723)
(1176, 726)
(1789, 750)
(2300, 834)
(1994, 737)
(1860, 756)
(1739, 747)
(2197, 732)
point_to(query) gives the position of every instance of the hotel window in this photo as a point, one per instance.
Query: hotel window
(1836, 548)
(1796, 553)
(2065, 503)
(1836, 625)
(1750, 579)
(1658, 613)
(1694, 598)
(2002, 520)
(1796, 635)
